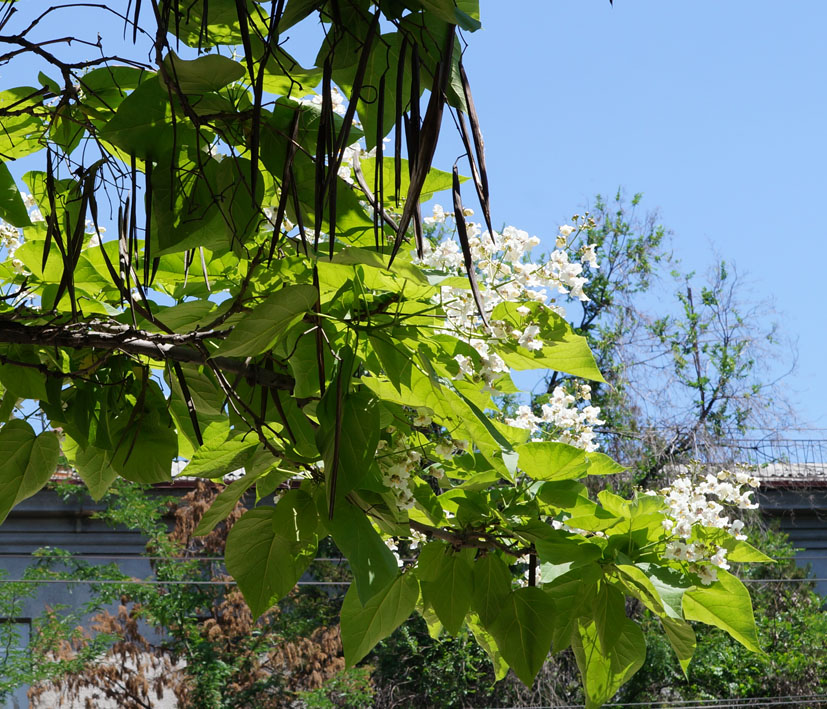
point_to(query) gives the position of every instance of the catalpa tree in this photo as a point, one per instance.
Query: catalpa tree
(220, 258)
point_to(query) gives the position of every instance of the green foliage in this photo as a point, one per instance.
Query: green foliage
(348, 688)
(790, 623)
(262, 308)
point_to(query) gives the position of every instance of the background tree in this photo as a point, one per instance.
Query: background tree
(689, 361)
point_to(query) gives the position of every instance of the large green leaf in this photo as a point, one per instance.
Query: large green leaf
(27, 461)
(220, 455)
(682, 639)
(269, 548)
(142, 125)
(25, 382)
(564, 351)
(609, 616)
(365, 625)
(544, 460)
(573, 594)
(486, 642)
(358, 438)
(21, 134)
(523, 631)
(95, 469)
(145, 440)
(727, 605)
(669, 585)
(208, 72)
(259, 329)
(560, 547)
(449, 588)
(603, 673)
(492, 584)
(372, 563)
(12, 208)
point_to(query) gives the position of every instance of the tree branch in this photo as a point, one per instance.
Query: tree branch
(160, 347)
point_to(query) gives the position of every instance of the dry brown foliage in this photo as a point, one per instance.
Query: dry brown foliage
(142, 669)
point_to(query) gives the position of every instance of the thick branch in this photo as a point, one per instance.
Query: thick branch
(161, 347)
(459, 539)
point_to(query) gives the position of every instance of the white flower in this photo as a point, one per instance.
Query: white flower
(588, 254)
(423, 417)
(719, 559)
(708, 574)
(438, 215)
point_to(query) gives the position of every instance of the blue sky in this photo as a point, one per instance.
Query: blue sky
(716, 111)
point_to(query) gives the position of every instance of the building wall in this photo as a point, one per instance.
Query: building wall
(45, 520)
(802, 513)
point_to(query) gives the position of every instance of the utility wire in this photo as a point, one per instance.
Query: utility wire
(780, 700)
(138, 555)
(155, 582)
(300, 583)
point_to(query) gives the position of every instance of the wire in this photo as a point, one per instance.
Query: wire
(132, 557)
(780, 700)
(332, 559)
(131, 582)
(321, 583)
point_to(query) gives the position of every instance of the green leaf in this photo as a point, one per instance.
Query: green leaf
(27, 462)
(609, 615)
(209, 72)
(357, 442)
(604, 673)
(372, 563)
(25, 382)
(269, 548)
(682, 639)
(12, 208)
(436, 181)
(564, 351)
(560, 547)
(142, 125)
(544, 460)
(365, 625)
(95, 469)
(574, 595)
(492, 584)
(284, 76)
(449, 588)
(486, 642)
(146, 441)
(219, 455)
(224, 503)
(670, 585)
(743, 552)
(601, 464)
(523, 631)
(725, 604)
(258, 330)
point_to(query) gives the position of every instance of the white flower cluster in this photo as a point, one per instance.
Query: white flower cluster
(568, 423)
(503, 272)
(336, 99)
(505, 275)
(705, 505)
(399, 463)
